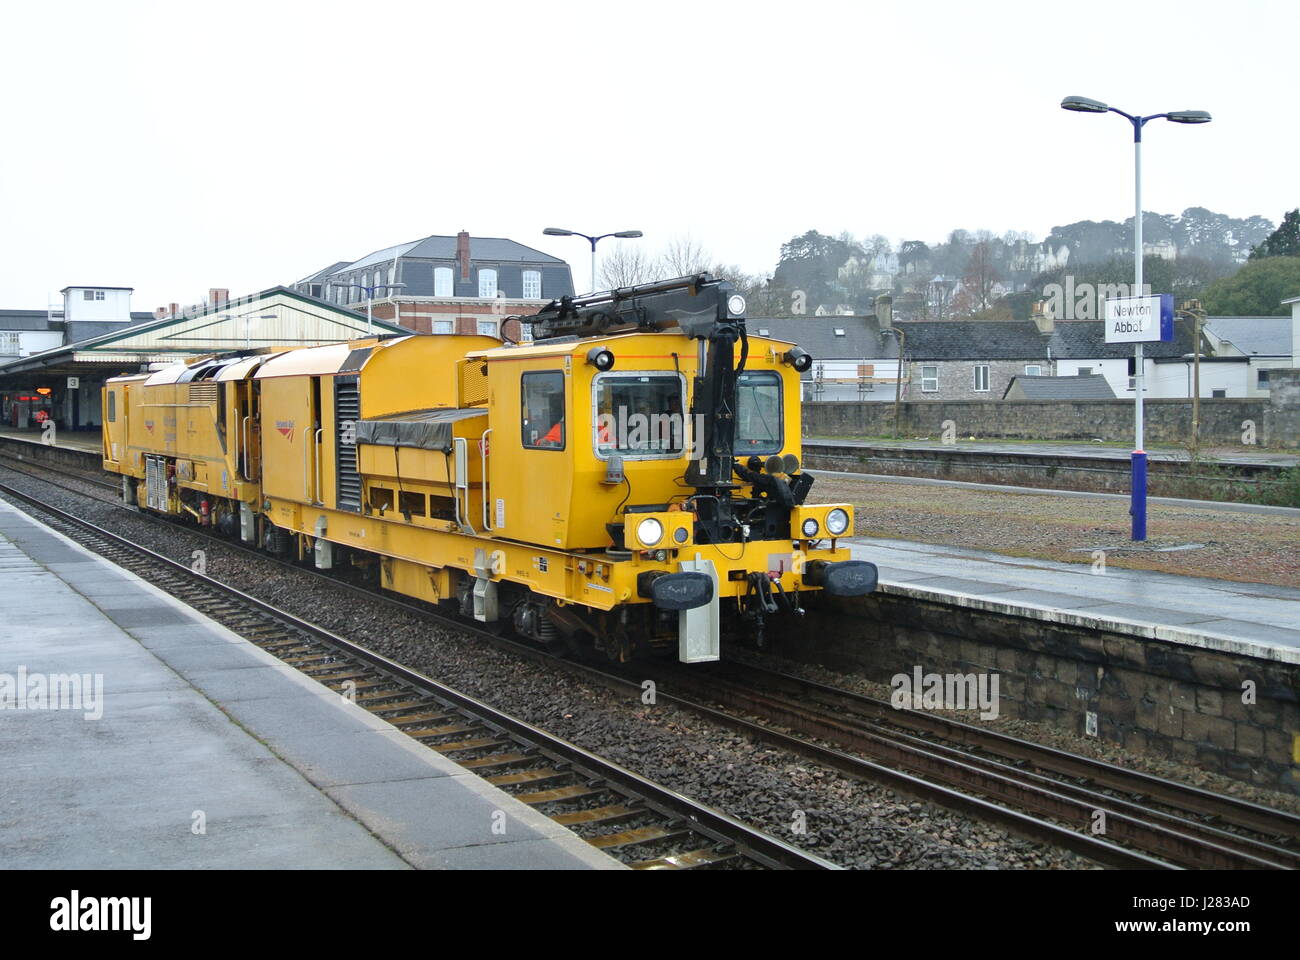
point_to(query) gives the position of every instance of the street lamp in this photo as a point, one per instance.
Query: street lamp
(622, 234)
(370, 296)
(1138, 502)
(247, 318)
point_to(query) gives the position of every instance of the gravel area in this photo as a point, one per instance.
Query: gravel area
(855, 824)
(1256, 548)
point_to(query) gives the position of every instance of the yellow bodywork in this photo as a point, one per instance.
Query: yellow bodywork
(492, 507)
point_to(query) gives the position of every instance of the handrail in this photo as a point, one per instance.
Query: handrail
(483, 455)
(320, 462)
(244, 436)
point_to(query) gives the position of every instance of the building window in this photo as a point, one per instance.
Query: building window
(487, 328)
(981, 378)
(444, 326)
(1083, 372)
(1218, 394)
(533, 284)
(442, 284)
(9, 344)
(1033, 370)
(1261, 378)
(487, 283)
(542, 426)
(839, 332)
(92, 294)
(929, 379)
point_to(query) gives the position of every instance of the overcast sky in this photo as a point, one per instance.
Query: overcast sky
(174, 147)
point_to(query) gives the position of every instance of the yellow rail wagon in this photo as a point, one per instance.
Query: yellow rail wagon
(629, 480)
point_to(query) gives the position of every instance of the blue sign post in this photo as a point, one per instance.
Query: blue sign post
(1139, 320)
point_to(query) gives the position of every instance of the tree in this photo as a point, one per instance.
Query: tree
(976, 294)
(628, 264)
(1256, 290)
(683, 256)
(1282, 242)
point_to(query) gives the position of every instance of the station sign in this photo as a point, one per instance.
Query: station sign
(1140, 319)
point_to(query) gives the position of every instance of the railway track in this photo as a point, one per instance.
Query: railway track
(646, 825)
(1035, 790)
(1174, 822)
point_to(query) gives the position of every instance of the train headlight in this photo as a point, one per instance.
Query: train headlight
(736, 305)
(681, 534)
(649, 532)
(600, 358)
(798, 358)
(810, 527)
(837, 521)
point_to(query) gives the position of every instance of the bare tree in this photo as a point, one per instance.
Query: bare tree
(682, 257)
(627, 265)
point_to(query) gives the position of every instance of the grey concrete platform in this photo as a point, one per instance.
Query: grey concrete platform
(1252, 619)
(75, 439)
(1226, 455)
(181, 723)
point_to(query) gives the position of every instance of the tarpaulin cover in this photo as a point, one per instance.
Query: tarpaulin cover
(424, 429)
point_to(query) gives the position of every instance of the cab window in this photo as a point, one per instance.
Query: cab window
(639, 416)
(758, 413)
(542, 426)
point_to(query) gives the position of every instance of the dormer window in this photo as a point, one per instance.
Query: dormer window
(839, 332)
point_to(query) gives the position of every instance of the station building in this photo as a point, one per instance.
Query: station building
(459, 284)
(63, 381)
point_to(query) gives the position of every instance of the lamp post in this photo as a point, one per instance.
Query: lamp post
(622, 234)
(370, 296)
(247, 317)
(1138, 501)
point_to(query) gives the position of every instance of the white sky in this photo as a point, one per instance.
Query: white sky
(175, 147)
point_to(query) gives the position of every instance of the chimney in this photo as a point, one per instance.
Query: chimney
(218, 297)
(462, 254)
(885, 312)
(173, 309)
(1041, 313)
(159, 313)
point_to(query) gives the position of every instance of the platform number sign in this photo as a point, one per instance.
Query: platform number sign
(74, 383)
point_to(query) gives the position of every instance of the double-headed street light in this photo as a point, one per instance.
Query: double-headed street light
(370, 296)
(622, 234)
(1138, 504)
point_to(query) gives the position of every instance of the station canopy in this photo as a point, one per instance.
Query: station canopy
(275, 317)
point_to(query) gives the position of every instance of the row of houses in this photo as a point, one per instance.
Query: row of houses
(857, 358)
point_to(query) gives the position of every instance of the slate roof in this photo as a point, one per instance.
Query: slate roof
(489, 249)
(862, 339)
(974, 340)
(1087, 387)
(1254, 336)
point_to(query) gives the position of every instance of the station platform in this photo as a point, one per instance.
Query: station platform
(74, 439)
(1226, 456)
(1251, 619)
(185, 746)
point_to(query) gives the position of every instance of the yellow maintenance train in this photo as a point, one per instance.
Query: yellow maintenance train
(627, 481)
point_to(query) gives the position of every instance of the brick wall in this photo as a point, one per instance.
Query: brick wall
(1167, 421)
